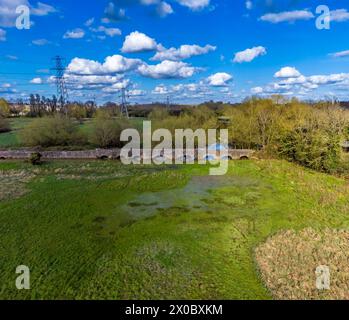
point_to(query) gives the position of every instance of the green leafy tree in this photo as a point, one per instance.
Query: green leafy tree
(4, 108)
(77, 111)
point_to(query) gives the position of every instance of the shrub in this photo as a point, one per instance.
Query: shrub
(315, 142)
(4, 125)
(107, 130)
(77, 111)
(35, 159)
(158, 113)
(312, 149)
(51, 132)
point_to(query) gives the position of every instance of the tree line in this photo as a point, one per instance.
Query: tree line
(309, 134)
(304, 133)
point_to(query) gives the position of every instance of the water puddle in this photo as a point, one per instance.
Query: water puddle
(201, 193)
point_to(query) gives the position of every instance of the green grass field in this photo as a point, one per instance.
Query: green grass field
(11, 140)
(100, 230)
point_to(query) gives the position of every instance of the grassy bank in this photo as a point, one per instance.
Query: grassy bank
(103, 230)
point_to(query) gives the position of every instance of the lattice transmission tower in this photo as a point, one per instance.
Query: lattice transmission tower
(124, 104)
(62, 94)
(168, 103)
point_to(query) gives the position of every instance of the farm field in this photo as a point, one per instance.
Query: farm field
(101, 230)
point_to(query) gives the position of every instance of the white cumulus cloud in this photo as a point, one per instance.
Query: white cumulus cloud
(328, 79)
(219, 79)
(287, 72)
(257, 90)
(292, 82)
(138, 42)
(249, 54)
(288, 16)
(183, 52)
(36, 81)
(161, 89)
(194, 4)
(167, 70)
(93, 82)
(116, 87)
(112, 64)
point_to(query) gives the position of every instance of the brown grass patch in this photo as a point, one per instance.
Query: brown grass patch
(288, 261)
(13, 184)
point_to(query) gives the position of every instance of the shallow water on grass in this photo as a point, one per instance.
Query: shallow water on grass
(203, 193)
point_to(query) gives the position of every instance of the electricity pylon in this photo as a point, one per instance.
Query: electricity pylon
(124, 104)
(168, 103)
(62, 93)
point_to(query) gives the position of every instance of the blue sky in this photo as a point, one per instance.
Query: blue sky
(189, 50)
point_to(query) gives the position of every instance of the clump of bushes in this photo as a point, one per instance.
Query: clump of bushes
(52, 132)
(76, 111)
(107, 130)
(158, 113)
(311, 148)
(4, 125)
(61, 131)
(314, 142)
(309, 135)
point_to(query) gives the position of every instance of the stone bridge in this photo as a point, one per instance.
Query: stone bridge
(234, 154)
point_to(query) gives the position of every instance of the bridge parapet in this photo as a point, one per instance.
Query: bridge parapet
(234, 154)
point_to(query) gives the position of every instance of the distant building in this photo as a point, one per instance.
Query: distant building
(18, 109)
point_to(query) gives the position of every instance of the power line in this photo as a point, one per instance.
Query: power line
(18, 73)
(17, 62)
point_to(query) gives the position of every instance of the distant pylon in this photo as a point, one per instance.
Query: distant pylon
(124, 103)
(62, 94)
(168, 103)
